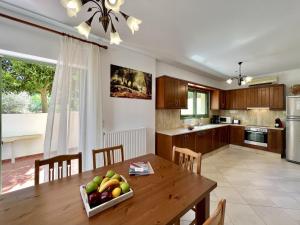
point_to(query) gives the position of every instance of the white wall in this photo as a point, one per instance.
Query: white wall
(24, 124)
(166, 69)
(24, 39)
(122, 113)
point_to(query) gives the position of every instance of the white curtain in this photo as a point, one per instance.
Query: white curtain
(74, 121)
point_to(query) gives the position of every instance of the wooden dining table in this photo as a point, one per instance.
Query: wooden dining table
(160, 198)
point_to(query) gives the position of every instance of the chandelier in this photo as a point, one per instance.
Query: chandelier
(242, 80)
(106, 11)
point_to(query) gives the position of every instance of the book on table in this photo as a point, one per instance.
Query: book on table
(140, 169)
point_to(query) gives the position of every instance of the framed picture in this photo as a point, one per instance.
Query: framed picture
(130, 83)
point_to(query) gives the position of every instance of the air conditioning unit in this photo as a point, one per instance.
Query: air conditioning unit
(263, 80)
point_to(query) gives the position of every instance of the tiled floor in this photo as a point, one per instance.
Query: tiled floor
(20, 174)
(260, 188)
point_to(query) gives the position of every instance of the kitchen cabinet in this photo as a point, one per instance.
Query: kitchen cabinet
(263, 97)
(185, 141)
(272, 97)
(199, 141)
(204, 141)
(222, 99)
(276, 141)
(277, 97)
(171, 93)
(252, 97)
(217, 100)
(237, 135)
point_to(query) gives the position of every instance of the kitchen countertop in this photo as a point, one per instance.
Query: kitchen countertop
(182, 130)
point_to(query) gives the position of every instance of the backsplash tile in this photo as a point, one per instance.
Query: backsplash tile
(170, 118)
(260, 117)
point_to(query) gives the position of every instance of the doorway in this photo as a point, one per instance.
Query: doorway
(26, 86)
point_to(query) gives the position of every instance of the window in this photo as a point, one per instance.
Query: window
(197, 104)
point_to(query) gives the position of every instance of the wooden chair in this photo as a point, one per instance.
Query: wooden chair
(59, 160)
(187, 158)
(108, 155)
(219, 215)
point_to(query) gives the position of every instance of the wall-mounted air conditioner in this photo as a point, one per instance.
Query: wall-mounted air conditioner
(263, 80)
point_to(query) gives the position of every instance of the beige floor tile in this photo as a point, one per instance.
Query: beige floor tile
(274, 216)
(243, 215)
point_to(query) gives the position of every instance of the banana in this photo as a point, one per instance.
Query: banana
(112, 182)
(104, 181)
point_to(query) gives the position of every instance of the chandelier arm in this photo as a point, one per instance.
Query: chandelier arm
(99, 6)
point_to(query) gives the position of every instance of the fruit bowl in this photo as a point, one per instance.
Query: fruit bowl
(107, 198)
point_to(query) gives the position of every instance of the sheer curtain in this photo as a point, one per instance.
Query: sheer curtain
(74, 122)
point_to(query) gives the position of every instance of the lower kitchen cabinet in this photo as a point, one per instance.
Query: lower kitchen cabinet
(276, 141)
(204, 142)
(237, 135)
(199, 141)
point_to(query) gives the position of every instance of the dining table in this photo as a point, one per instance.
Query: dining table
(159, 198)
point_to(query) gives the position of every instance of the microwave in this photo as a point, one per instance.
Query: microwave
(225, 119)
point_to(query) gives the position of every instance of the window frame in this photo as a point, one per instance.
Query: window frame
(195, 115)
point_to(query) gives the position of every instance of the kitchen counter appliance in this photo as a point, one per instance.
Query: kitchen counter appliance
(226, 119)
(293, 129)
(256, 136)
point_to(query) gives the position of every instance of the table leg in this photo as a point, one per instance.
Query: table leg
(202, 210)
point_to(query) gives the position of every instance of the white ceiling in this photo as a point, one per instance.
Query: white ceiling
(209, 35)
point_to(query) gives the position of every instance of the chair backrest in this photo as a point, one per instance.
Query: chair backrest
(108, 155)
(186, 158)
(218, 216)
(59, 160)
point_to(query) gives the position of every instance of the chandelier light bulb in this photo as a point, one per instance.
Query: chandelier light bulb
(229, 81)
(72, 6)
(133, 23)
(243, 82)
(248, 79)
(84, 29)
(114, 5)
(115, 38)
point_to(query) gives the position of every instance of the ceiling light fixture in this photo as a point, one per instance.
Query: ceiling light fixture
(242, 80)
(108, 11)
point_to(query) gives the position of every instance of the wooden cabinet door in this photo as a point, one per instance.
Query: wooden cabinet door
(228, 100)
(275, 141)
(241, 99)
(224, 136)
(277, 97)
(263, 97)
(169, 92)
(215, 103)
(252, 97)
(222, 99)
(216, 138)
(185, 141)
(204, 141)
(182, 94)
(237, 135)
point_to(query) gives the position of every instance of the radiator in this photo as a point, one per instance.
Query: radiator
(133, 141)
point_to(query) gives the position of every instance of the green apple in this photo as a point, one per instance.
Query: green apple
(90, 187)
(125, 187)
(98, 180)
(110, 173)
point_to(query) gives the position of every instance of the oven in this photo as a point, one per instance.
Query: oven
(256, 136)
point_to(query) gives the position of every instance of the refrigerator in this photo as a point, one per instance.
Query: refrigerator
(293, 129)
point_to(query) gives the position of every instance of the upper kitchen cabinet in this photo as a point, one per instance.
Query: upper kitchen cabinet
(171, 93)
(263, 97)
(218, 100)
(272, 97)
(277, 97)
